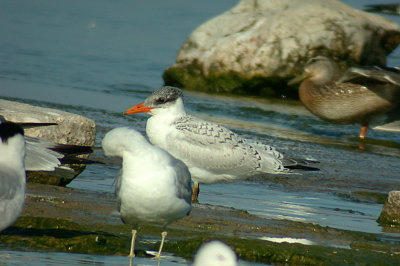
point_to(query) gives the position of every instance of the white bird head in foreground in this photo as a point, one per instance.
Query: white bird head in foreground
(123, 139)
(12, 145)
(165, 97)
(215, 253)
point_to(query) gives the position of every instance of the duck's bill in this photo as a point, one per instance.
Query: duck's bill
(298, 79)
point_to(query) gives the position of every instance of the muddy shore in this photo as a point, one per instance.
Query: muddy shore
(80, 221)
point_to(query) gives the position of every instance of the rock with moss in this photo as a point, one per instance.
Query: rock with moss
(258, 45)
(390, 215)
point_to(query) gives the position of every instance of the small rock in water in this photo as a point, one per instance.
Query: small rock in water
(390, 214)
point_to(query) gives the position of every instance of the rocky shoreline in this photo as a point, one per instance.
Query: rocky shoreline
(79, 221)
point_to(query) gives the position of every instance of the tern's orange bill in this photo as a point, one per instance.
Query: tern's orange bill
(140, 108)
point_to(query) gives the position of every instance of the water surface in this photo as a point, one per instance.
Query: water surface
(97, 58)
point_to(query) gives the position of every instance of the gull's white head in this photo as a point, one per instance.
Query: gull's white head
(215, 253)
(166, 97)
(122, 139)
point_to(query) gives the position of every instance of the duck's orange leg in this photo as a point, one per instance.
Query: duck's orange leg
(195, 191)
(363, 131)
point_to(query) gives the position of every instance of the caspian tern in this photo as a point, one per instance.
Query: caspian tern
(12, 173)
(215, 253)
(153, 187)
(212, 153)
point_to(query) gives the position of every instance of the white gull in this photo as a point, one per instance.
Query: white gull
(152, 187)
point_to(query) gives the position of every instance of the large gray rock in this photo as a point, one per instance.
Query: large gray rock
(70, 129)
(259, 45)
(390, 214)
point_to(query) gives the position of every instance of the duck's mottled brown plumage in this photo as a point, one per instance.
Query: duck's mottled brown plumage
(359, 95)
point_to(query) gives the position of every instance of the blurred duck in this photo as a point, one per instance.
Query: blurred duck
(367, 96)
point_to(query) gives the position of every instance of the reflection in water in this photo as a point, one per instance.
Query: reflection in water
(322, 209)
(302, 241)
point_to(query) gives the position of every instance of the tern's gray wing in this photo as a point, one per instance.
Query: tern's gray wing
(218, 149)
(39, 157)
(12, 194)
(42, 143)
(289, 163)
(9, 183)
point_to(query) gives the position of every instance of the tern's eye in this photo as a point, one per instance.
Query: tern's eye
(161, 100)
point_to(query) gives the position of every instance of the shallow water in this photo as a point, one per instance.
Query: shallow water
(59, 258)
(97, 58)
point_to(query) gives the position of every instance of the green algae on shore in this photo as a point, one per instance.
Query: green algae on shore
(50, 234)
(68, 221)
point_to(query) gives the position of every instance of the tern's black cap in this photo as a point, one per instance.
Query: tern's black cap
(9, 130)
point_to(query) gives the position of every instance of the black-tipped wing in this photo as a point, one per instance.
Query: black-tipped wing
(220, 150)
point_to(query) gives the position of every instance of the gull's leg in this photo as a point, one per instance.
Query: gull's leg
(195, 191)
(163, 235)
(132, 253)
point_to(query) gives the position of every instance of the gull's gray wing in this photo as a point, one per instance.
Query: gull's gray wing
(184, 183)
(117, 189)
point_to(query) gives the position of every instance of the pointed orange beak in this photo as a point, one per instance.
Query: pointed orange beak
(140, 108)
